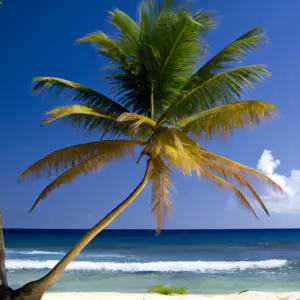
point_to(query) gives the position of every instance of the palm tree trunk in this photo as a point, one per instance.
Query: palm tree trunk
(40, 286)
(3, 277)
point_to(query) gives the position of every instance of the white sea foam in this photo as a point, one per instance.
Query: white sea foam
(164, 266)
(38, 252)
(115, 255)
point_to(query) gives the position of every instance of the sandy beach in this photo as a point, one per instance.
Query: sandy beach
(119, 296)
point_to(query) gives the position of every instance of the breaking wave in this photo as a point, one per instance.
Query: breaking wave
(163, 266)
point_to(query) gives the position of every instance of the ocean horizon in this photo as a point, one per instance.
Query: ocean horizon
(206, 261)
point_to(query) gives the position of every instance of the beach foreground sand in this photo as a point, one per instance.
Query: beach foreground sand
(119, 296)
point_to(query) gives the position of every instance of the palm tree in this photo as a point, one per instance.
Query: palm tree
(4, 290)
(161, 103)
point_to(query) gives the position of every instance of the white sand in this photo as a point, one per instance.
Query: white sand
(119, 296)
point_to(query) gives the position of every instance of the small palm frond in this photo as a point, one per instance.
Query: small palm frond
(223, 183)
(128, 28)
(241, 168)
(234, 82)
(222, 88)
(205, 20)
(56, 86)
(178, 151)
(106, 47)
(234, 52)
(161, 203)
(140, 126)
(63, 111)
(225, 118)
(91, 98)
(125, 117)
(150, 13)
(228, 173)
(70, 157)
(85, 167)
(175, 55)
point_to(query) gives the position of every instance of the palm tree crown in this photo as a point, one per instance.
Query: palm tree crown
(161, 101)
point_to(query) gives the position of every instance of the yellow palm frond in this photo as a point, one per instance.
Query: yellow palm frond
(72, 156)
(137, 121)
(132, 117)
(86, 167)
(223, 119)
(230, 173)
(60, 112)
(167, 143)
(223, 183)
(161, 203)
(240, 168)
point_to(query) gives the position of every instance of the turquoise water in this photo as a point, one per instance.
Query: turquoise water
(205, 261)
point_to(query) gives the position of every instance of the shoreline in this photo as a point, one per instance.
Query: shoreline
(250, 295)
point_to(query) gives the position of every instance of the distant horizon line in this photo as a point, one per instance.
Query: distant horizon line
(174, 229)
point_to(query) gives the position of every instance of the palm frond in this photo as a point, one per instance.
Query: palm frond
(56, 86)
(169, 143)
(234, 52)
(125, 117)
(177, 53)
(126, 25)
(228, 173)
(161, 203)
(241, 168)
(150, 13)
(234, 81)
(222, 88)
(140, 126)
(223, 183)
(206, 20)
(85, 167)
(60, 112)
(70, 157)
(225, 118)
(185, 153)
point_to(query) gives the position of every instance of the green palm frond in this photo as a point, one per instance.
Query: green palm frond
(77, 92)
(161, 203)
(222, 88)
(225, 118)
(150, 13)
(206, 20)
(234, 52)
(106, 47)
(72, 156)
(221, 62)
(128, 28)
(176, 55)
(91, 98)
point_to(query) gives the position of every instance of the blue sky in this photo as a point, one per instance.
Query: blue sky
(36, 40)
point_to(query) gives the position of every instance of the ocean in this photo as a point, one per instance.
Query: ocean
(205, 261)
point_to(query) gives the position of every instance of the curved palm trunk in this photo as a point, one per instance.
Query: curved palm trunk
(3, 277)
(5, 291)
(35, 290)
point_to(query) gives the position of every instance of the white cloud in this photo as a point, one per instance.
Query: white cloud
(287, 202)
